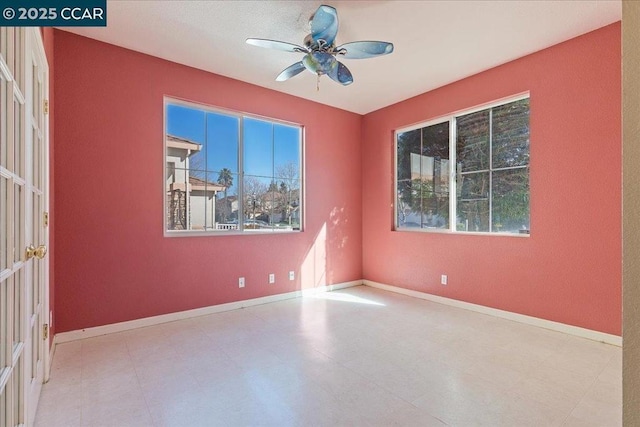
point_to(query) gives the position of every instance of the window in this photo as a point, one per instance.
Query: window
(468, 172)
(228, 173)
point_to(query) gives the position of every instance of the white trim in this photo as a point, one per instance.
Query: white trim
(181, 315)
(452, 118)
(464, 111)
(521, 318)
(64, 337)
(240, 116)
(52, 352)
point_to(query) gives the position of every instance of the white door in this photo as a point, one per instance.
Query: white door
(37, 180)
(23, 236)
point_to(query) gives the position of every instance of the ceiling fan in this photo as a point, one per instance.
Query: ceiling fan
(320, 49)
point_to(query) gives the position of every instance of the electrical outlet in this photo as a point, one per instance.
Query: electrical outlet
(241, 282)
(272, 278)
(443, 279)
(292, 275)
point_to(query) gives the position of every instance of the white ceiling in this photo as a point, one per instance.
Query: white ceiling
(436, 42)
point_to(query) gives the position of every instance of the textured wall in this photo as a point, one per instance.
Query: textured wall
(568, 270)
(631, 212)
(112, 262)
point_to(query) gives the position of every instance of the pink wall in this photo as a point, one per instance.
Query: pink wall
(112, 262)
(47, 36)
(569, 269)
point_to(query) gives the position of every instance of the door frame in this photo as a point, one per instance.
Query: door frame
(46, 315)
(35, 54)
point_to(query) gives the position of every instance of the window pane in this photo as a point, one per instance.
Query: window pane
(203, 170)
(295, 205)
(4, 141)
(18, 203)
(473, 202)
(286, 204)
(4, 322)
(4, 224)
(434, 164)
(210, 196)
(258, 147)
(222, 142)
(19, 144)
(472, 150)
(185, 137)
(186, 131)
(511, 134)
(257, 202)
(268, 205)
(511, 200)
(185, 122)
(408, 179)
(409, 204)
(17, 307)
(286, 151)
(408, 144)
(177, 180)
(227, 200)
(18, 58)
(436, 211)
(196, 199)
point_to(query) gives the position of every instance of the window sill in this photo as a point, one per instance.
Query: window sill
(227, 233)
(460, 233)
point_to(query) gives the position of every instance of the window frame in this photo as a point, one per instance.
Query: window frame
(241, 231)
(453, 184)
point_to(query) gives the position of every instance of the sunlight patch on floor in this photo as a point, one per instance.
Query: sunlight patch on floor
(335, 296)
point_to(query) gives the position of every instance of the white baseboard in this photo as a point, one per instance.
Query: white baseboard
(529, 320)
(49, 361)
(172, 317)
(181, 315)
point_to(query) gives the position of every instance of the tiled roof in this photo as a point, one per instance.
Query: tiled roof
(213, 186)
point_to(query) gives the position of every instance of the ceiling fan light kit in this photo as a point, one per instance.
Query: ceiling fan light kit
(321, 51)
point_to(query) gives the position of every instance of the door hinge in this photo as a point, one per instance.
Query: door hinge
(45, 219)
(45, 331)
(46, 106)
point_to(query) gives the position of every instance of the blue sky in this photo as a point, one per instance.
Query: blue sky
(266, 145)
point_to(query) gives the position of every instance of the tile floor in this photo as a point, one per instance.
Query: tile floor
(359, 356)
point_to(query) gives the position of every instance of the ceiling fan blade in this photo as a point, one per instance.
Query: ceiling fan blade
(290, 71)
(274, 44)
(366, 49)
(324, 24)
(341, 74)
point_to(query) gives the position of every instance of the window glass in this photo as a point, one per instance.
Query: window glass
(473, 202)
(409, 202)
(490, 162)
(228, 172)
(435, 176)
(510, 136)
(511, 200)
(472, 145)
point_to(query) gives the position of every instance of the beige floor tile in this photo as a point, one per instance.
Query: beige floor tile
(356, 357)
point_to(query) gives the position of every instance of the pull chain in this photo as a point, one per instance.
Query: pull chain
(318, 83)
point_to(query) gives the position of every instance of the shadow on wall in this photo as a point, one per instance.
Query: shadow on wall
(317, 267)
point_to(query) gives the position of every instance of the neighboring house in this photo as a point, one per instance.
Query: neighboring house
(273, 207)
(191, 200)
(284, 206)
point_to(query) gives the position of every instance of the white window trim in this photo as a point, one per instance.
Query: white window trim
(453, 184)
(168, 100)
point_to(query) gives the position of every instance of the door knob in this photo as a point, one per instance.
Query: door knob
(30, 252)
(41, 251)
